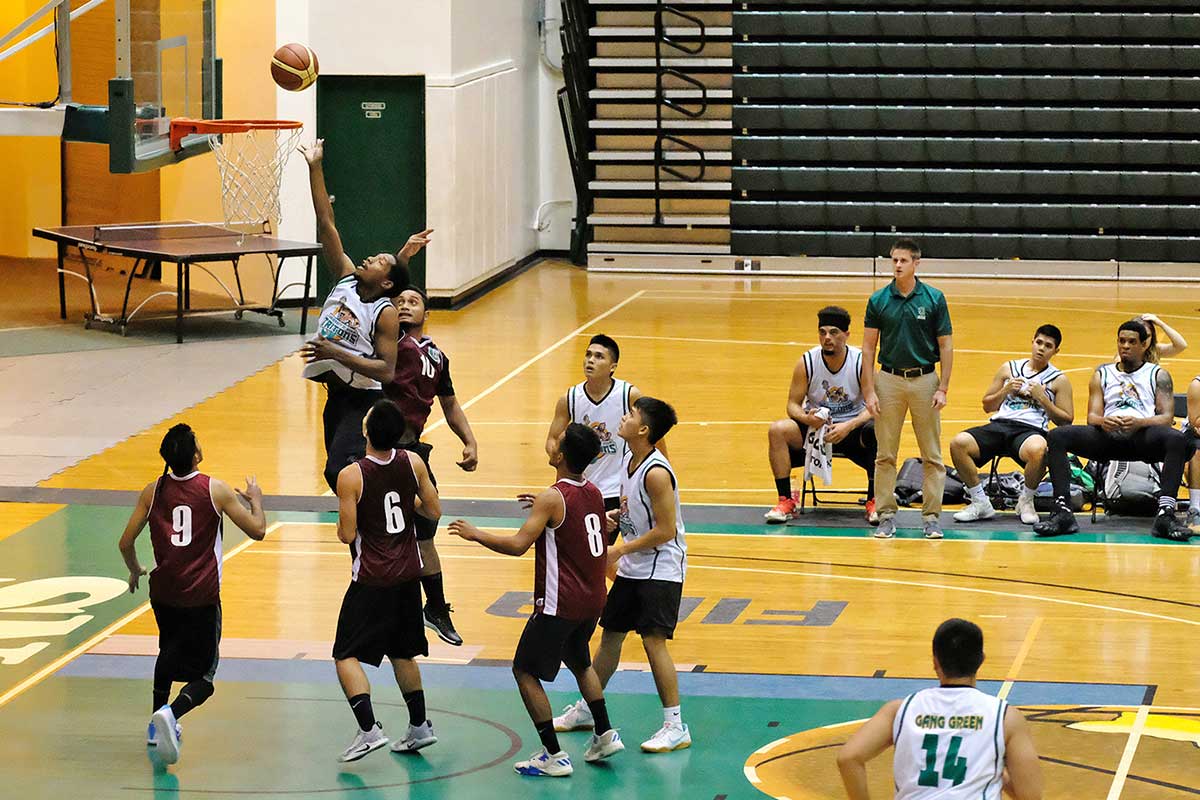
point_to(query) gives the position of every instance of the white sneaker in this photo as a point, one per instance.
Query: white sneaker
(975, 511)
(543, 765)
(165, 735)
(152, 736)
(602, 746)
(418, 736)
(364, 742)
(577, 717)
(669, 737)
(1026, 510)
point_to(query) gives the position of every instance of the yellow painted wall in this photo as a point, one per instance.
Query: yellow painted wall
(192, 189)
(30, 191)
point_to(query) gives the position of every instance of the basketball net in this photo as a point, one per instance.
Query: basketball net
(251, 164)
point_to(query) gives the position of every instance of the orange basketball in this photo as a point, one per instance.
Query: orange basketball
(294, 67)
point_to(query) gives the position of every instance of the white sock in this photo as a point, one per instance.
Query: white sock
(1194, 499)
(976, 493)
(671, 715)
(1027, 493)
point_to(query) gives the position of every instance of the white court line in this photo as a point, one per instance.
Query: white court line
(514, 373)
(59, 662)
(1135, 735)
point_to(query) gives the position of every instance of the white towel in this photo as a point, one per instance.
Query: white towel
(818, 456)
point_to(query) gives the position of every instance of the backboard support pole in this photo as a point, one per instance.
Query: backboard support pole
(62, 36)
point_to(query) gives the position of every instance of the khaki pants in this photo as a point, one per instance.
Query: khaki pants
(897, 397)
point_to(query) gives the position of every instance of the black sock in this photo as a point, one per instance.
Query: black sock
(1062, 504)
(600, 714)
(162, 684)
(190, 696)
(416, 707)
(1166, 505)
(548, 736)
(160, 699)
(783, 487)
(360, 704)
(434, 593)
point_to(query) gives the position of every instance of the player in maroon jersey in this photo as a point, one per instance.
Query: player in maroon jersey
(380, 499)
(184, 509)
(423, 373)
(567, 523)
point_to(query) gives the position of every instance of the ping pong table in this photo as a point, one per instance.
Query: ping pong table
(183, 244)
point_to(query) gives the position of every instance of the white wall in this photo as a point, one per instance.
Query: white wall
(489, 152)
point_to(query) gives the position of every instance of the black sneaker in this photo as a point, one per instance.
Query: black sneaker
(1061, 523)
(438, 620)
(1167, 526)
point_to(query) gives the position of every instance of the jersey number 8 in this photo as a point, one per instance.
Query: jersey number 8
(181, 521)
(595, 532)
(393, 513)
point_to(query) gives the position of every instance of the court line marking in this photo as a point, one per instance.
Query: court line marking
(1135, 736)
(95, 639)
(531, 361)
(818, 575)
(1019, 661)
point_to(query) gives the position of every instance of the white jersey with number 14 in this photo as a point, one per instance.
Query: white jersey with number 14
(949, 745)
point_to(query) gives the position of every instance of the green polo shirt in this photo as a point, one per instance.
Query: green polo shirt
(908, 327)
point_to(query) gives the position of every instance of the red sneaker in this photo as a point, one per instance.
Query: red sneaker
(784, 510)
(872, 514)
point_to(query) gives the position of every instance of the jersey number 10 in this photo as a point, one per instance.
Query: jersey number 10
(954, 769)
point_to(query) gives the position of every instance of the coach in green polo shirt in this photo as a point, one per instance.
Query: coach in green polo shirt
(909, 322)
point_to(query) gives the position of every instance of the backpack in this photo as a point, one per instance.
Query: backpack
(1131, 488)
(912, 475)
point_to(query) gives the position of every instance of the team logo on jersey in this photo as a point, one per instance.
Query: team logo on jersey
(624, 521)
(340, 325)
(1129, 397)
(434, 354)
(837, 399)
(920, 312)
(608, 444)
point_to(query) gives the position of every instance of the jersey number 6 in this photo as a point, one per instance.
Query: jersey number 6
(393, 513)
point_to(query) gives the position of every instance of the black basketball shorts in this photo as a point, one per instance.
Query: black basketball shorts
(548, 642)
(378, 621)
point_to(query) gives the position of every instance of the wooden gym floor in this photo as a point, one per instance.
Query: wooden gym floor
(790, 633)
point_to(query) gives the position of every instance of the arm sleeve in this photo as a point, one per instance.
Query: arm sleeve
(871, 317)
(445, 386)
(944, 328)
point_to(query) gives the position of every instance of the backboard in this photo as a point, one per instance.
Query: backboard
(154, 60)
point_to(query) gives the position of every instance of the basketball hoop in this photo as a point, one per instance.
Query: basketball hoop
(251, 154)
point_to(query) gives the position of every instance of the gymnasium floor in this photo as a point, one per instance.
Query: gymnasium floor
(789, 633)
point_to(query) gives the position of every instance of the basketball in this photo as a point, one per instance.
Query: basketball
(294, 67)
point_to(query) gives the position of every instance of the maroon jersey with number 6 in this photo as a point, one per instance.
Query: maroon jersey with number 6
(422, 374)
(185, 532)
(571, 559)
(385, 551)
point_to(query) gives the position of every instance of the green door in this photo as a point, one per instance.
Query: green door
(374, 132)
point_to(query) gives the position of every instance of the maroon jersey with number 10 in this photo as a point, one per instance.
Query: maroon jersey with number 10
(385, 551)
(185, 532)
(571, 559)
(422, 374)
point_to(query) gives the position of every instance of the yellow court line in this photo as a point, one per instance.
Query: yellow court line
(1135, 735)
(62, 660)
(530, 362)
(1019, 661)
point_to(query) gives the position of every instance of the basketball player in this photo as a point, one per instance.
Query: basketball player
(1026, 395)
(599, 402)
(826, 377)
(651, 561)
(184, 509)
(1190, 428)
(423, 373)
(380, 497)
(355, 347)
(1131, 414)
(952, 742)
(567, 523)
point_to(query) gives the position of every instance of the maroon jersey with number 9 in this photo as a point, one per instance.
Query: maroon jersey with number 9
(571, 559)
(385, 551)
(185, 533)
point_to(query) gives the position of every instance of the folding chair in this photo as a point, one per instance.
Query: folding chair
(809, 486)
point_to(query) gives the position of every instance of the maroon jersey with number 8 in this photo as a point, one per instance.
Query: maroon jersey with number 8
(185, 532)
(385, 551)
(571, 559)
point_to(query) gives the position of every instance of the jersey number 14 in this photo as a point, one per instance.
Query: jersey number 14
(954, 769)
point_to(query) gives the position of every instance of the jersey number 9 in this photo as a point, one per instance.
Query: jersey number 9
(181, 521)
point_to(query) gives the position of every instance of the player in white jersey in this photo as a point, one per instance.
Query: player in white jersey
(1131, 417)
(599, 402)
(651, 561)
(355, 347)
(952, 742)
(1026, 395)
(827, 377)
